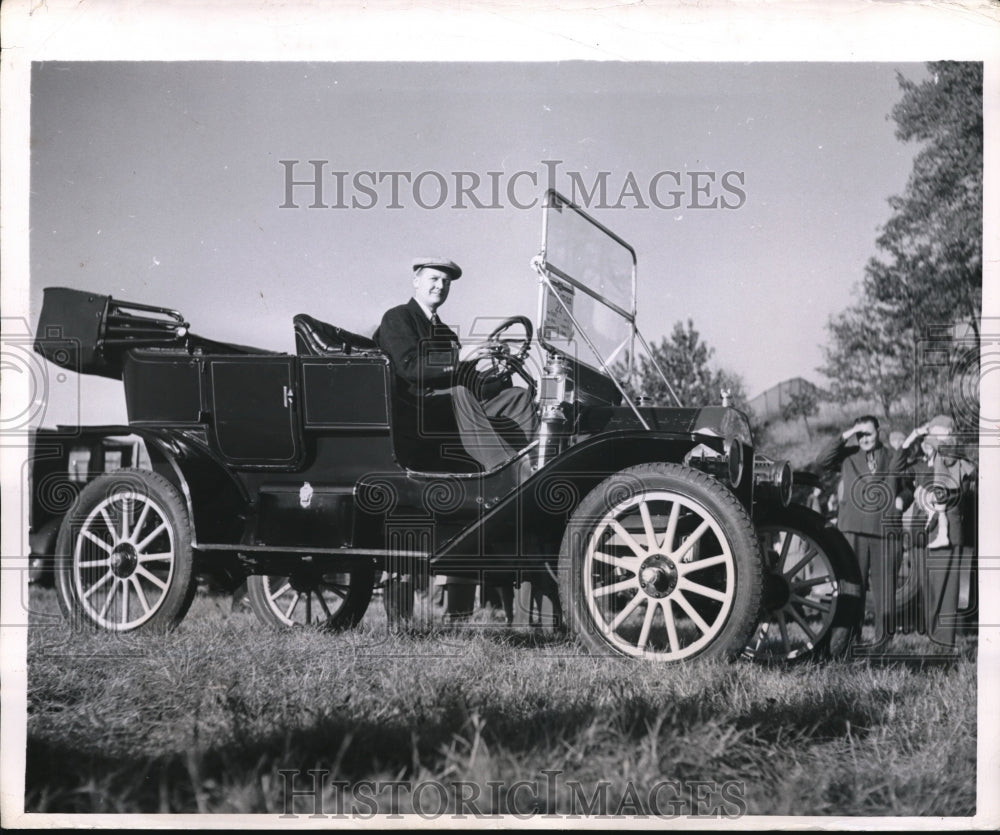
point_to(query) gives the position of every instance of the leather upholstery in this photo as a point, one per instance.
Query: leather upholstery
(313, 337)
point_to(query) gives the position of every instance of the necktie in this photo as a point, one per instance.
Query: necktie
(871, 462)
(435, 321)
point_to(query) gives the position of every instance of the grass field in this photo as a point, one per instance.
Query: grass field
(206, 719)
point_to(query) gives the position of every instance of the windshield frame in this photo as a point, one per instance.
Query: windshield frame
(549, 274)
(554, 199)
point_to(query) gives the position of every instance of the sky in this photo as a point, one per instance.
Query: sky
(163, 183)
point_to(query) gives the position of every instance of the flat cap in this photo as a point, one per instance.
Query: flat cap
(439, 264)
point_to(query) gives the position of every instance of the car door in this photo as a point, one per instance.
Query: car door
(254, 411)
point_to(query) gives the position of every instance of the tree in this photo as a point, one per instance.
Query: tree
(732, 383)
(867, 358)
(684, 360)
(927, 275)
(931, 269)
(804, 403)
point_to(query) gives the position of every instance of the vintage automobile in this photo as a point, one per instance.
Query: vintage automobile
(655, 531)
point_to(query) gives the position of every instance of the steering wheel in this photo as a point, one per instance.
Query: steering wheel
(504, 361)
(506, 325)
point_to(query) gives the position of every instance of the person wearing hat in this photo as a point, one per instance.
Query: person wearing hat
(493, 418)
(424, 356)
(866, 511)
(938, 484)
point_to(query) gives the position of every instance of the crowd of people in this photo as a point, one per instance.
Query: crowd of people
(917, 494)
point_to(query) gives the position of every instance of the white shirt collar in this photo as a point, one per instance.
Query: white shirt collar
(427, 311)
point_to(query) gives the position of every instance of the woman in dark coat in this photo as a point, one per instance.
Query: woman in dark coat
(939, 485)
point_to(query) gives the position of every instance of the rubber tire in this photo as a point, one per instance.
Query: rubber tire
(177, 597)
(347, 615)
(714, 499)
(41, 571)
(848, 614)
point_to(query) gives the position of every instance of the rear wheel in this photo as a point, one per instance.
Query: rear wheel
(124, 557)
(661, 562)
(312, 596)
(812, 590)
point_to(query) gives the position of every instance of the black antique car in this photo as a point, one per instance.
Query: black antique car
(657, 530)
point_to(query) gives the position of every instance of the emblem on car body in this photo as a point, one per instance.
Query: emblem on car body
(305, 495)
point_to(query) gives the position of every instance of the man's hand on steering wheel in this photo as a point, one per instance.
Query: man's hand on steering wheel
(497, 337)
(504, 362)
(489, 381)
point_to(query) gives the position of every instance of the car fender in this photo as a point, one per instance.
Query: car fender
(526, 526)
(216, 501)
(201, 479)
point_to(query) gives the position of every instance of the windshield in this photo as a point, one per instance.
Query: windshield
(587, 306)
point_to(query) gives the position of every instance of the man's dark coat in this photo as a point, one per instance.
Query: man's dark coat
(424, 356)
(868, 499)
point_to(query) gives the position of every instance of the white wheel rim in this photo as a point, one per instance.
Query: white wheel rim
(795, 628)
(123, 561)
(674, 540)
(314, 604)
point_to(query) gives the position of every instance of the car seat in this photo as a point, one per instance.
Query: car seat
(316, 338)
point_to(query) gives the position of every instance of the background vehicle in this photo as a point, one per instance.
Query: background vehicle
(307, 475)
(64, 460)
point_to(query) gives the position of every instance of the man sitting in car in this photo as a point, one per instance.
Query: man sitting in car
(450, 394)
(424, 356)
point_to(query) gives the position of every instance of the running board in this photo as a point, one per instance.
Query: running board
(274, 559)
(307, 551)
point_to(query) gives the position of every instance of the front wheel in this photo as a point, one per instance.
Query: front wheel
(311, 596)
(124, 557)
(661, 562)
(812, 589)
